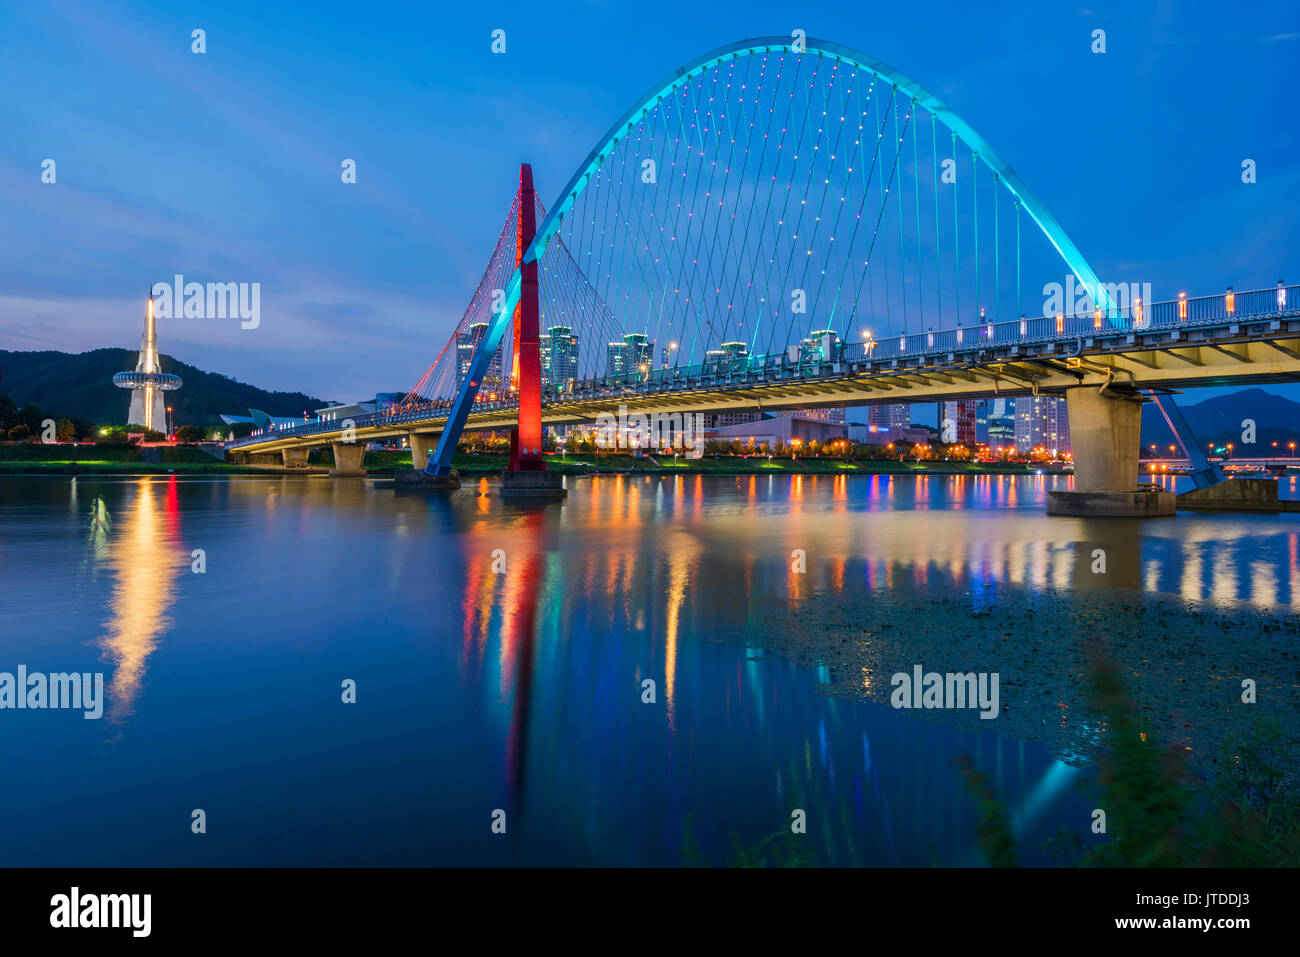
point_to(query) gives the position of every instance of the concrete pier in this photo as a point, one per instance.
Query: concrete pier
(419, 479)
(1135, 504)
(1238, 495)
(1105, 438)
(296, 458)
(532, 486)
(348, 458)
(422, 443)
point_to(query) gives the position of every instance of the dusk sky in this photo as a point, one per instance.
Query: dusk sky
(226, 166)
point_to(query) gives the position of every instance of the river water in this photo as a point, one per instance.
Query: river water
(500, 657)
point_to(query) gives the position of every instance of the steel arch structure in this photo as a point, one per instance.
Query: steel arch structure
(440, 461)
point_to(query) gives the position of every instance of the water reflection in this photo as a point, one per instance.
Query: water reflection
(144, 557)
(676, 564)
(500, 652)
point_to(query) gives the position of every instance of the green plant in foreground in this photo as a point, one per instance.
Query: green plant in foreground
(994, 828)
(1158, 814)
(779, 849)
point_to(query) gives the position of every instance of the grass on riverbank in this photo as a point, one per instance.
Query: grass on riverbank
(736, 465)
(109, 458)
(118, 458)
(591, 463)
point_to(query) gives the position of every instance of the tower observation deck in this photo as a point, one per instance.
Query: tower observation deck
(148, 382)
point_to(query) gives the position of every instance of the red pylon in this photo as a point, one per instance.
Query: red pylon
(526, 443)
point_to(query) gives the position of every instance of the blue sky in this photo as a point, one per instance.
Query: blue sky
(225, 166)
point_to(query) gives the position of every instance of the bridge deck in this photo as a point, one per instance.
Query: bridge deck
(978, 362)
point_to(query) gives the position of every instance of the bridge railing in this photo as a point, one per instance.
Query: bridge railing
(1134, 317)
(801, 362)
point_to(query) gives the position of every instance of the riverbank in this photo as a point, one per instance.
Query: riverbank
(116, 458)
(27, 459)
(112, 459)
(736, 465)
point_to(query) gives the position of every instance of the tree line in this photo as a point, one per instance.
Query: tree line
(28, 423)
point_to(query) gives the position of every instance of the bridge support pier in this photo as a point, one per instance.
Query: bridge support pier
(422, 444)
(348, 457)
(1105, 438)
(296, 458)
(417, 477)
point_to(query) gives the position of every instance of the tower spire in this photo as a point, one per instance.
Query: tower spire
(148, 382)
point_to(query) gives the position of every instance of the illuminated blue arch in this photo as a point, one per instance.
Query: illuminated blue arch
(440, 462)
(923, 97)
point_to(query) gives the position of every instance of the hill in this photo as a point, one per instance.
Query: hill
(81, 386)
(1219, 419)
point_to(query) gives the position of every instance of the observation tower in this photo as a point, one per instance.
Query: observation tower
(148, 382)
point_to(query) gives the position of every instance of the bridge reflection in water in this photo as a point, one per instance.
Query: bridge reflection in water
(925, 566)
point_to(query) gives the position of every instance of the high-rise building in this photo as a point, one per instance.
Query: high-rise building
(559, 355)
(628, 356)
(1042, 422)
(466, 343)
(820, 346)
(834, 416)
(720, 420)
(957, 422)
(892, 418)
(148, 382)
(1001, 423)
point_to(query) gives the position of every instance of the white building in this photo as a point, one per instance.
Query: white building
(1041, 421)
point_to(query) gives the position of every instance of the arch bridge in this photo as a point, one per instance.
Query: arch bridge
(787, 223)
